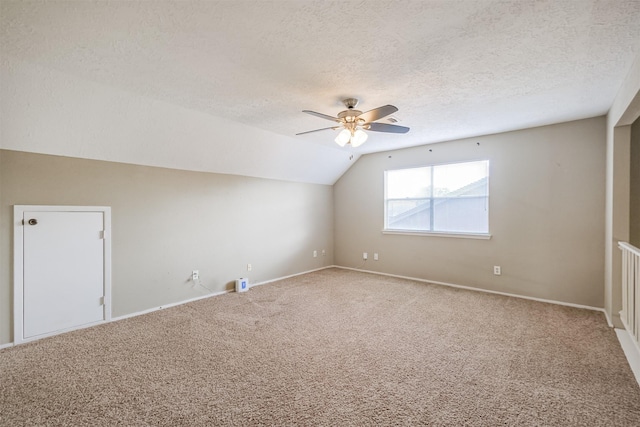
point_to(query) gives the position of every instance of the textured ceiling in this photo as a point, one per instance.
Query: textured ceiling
(454, 68)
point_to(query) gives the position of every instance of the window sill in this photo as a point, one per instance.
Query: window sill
(478, 236)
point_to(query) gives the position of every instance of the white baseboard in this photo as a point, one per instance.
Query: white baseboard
(470, 288)
(173, 304)
(631, 351)
(609, 321)
(150, 310)
(251, 285)
(213, 294)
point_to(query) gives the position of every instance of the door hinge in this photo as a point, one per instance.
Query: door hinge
(101, 300)
(102, 234)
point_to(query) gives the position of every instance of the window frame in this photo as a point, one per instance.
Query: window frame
(430, 199)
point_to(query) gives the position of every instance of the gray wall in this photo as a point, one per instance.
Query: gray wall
(634, 199)
(166, 223)
(547, 192)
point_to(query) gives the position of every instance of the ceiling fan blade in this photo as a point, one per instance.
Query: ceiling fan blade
(377, 113)
(383, 127)
(317, 130)
(322, 116)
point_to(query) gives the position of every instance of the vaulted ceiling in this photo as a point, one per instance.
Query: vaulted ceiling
(453, 68)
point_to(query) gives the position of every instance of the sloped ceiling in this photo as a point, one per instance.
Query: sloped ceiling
(454, 68)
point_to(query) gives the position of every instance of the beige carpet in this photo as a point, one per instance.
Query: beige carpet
(334, 348)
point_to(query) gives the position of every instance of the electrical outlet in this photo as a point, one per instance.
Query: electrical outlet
(195, 275)
(248, 267)
(375, 256)
(324, 252)
(315, 254)
(497, 270)
(365, 256)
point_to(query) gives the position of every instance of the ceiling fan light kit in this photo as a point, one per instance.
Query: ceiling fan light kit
(355, 138)
(358, 138)
(354, 123)
(343, 137)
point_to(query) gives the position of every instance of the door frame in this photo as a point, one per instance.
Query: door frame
(18, 266)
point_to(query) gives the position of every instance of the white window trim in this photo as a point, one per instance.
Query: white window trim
(461, 235)
(477, 236)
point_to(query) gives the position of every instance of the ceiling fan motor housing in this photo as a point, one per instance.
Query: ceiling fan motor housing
(349, 116)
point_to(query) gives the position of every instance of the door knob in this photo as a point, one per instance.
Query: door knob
(33, 221)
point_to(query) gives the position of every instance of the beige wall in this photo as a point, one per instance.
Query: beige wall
(166, 223)
(634, 202)
(547, 193)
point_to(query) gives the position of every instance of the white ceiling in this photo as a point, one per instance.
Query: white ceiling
(454, 68)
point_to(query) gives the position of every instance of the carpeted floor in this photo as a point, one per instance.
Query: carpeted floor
(335, 348)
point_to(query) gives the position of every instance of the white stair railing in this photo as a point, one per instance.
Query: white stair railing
(630, 314)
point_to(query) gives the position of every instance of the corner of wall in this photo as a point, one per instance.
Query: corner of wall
(624, 110)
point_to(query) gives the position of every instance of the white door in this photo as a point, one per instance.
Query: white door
(63, 270)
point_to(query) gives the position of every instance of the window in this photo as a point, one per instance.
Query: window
(452, 198)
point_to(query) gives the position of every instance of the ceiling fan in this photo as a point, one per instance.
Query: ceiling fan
(354, 123)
